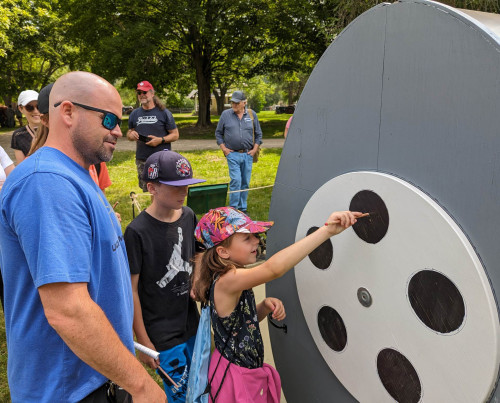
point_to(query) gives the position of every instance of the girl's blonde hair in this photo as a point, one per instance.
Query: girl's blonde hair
(41, 135)
(211, 266)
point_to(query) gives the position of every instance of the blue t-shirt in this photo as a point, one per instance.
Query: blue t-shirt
(151, 122)
(56, 226)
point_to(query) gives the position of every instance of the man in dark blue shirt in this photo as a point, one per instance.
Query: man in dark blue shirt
(152, 126)
(239, 135)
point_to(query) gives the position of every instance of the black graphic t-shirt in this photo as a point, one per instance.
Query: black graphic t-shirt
(152, 122)
(21, 140)
(161, 254)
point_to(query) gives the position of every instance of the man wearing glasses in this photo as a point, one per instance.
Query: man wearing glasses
(239, 135)
(68, 296)
(152, 126)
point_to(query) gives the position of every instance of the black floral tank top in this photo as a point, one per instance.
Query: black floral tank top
(244, 347)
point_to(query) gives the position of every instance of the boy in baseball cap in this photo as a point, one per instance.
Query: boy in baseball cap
(161, 246)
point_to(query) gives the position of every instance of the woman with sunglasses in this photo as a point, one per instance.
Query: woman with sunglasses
(23, 137)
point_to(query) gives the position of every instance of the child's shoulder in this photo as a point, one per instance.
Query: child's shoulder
(186, 210)
(188, 215)
(139, 223)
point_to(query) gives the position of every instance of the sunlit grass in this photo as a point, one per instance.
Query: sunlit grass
(209, 165)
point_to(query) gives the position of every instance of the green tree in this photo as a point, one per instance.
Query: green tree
(169, 42)
(33, 49)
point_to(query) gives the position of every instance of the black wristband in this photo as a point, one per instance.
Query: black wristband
(163, 140)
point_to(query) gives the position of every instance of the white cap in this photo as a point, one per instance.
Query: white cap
(26, 97)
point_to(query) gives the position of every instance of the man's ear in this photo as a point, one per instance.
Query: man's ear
(66, 111)
(222, 252)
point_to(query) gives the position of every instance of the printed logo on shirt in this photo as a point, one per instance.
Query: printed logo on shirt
(183, 168)
(147, 120)
(117, 244)
(153, 171)
(176, 265)
(248, 120)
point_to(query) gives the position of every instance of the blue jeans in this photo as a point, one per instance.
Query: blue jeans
(240, 172)
(176, 362)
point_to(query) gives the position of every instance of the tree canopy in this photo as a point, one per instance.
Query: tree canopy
(178, 45)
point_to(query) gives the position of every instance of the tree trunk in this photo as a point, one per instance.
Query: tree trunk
(290, 92)
(201, 60)
(220, 96)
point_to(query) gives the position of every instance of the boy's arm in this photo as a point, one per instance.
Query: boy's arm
(138, 325)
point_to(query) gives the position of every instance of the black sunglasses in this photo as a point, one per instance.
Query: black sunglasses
(30, 108)
(139, 92)
(109, 120)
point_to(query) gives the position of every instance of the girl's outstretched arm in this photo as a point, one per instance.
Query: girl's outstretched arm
(238, 280)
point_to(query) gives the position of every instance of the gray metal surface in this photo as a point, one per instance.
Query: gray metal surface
(411, 89)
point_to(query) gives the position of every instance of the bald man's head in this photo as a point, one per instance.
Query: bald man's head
(83, 87)
(76, 127)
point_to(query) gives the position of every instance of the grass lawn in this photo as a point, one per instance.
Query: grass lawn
(209, 165)
(272, 125)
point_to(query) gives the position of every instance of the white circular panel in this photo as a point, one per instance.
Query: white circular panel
(457, 365)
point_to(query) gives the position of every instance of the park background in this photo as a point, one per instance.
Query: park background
(194, 52)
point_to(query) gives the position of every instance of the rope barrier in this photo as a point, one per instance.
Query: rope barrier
(247, 190)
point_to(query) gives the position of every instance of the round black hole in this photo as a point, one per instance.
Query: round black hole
(398, 376)
(332, 328)
(322, 256)
(373, 228)
(436, 301)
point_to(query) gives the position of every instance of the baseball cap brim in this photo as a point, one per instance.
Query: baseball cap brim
(256, 227)
(236, 100)
(183, 182)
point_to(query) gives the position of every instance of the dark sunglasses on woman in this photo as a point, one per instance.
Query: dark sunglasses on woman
(30, 108)
(109, 120)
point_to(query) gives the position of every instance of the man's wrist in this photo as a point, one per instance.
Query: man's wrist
(163, 140)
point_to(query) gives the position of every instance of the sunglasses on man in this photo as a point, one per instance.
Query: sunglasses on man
(139, 92)
(109, 120)
(30, 108)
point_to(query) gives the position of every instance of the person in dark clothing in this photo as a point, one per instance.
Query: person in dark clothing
(152, 126)
(160, 247)
(24, 136)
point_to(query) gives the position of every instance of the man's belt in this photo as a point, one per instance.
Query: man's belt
(241, 151)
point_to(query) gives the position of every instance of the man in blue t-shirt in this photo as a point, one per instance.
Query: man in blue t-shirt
(152, 126)
(68, 296)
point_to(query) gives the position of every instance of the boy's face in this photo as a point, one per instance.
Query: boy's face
(168, 197)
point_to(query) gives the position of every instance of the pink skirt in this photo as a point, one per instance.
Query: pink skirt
(243, 385)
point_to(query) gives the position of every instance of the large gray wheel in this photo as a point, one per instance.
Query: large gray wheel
(399, 118)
